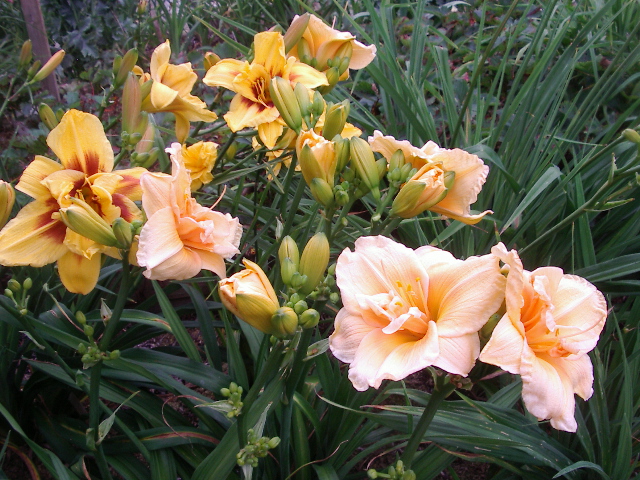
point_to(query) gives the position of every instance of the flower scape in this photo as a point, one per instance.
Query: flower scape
(243, 267)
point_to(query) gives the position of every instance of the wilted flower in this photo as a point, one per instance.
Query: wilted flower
(405, 310)
(322, 43)
(199, 159)
(37, 236)
(552, 321)
(171, 91)
(433, 164)
(252, 106)
(249, 295)
(181, 237)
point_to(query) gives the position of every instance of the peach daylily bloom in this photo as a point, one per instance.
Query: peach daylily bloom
(552, 321)
(199, 159)
(432, 163)
(181, 237)
(171, 91)
(252, 106)
(405, 309)
(37, 236)
(325, 43)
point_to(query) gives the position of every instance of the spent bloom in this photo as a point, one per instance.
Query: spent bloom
(320, 44)
(252, 106)
(38, 236)
(447, 181)
(171, 91)
(406, 309)
(181, 237)
(552, 321)
(199, 159)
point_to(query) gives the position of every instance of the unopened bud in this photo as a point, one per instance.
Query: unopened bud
(33, 69)
(397, 160)
(365, 165)
(122, 231)
(49, 67)
(314, 261)
(333, 76)
(341, 196)
(145, 89)
(300, 307)
(381, 165)
(343, 153)
(7, 199)
(230, 154)
(631, 136)
(210, 59)
(285, 101)
(305, 53)
(322, 192)
(317, 105)
(117, 62)
(14, 285)
(284, 322)
(335, 118)
(287, 270)
(309, 318)
(304, 99)
(88, 330)
(289, 248)
(131, 103)
(47, 116)
(295, 31)
(142, 7)
(27, 284)
(25, 55)
(128, 62)
(84, 220)
(273, 442)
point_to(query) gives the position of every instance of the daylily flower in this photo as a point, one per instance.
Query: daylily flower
(199, 159)
(37, 236)
(252, 106)
(249, 295)
(323, 43)
(405, 310)
(433, 164)
(317, 157)
(171, 91)
(181, 237)
(552, 321)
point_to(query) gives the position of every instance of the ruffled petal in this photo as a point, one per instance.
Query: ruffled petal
(458, 355)
(269, 52)
(34, 237)
(156, 192)
(159, 60)
(78, 273)
(223, 73)
(180, 266)
(161, 96)
(299, 72)
(348, 334)
(504, 348)
(31, 180)
(212, 262)
(362, 55)
(159, 239)
(80, 143)
(245, 113)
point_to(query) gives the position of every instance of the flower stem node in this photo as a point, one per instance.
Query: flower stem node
(284, 322)
(314, 261)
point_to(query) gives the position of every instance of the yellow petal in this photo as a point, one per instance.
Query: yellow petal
(269, 52)
(223, 73)
(245, 113)
(129, 184)
(182, 128)
(387, 146)
(162, 96)
(79, 274)
(269, 133)
(80, 143)
(32, 177)
(180, 78)
(33, 237)
(362, 55)
(299, 72)
(159, 60)
(63, 183)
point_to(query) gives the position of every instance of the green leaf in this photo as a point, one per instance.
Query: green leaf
(582, 464)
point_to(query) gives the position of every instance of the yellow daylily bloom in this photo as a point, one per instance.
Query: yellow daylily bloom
(199, 159)
(433, 164)
(552, 321)
(405, 310)
(171, 91)
(37, 236)
(193, 237)
(322, 43)
(252, 106)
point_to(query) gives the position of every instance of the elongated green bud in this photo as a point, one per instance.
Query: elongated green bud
(285, 101)
(83, 219)
(47, 116)
(33, 69)
(289, 249)
(49, 67)
(131, 103)
(128, 62)
(314, 261)
(304, 99)
(295, 31)
(631, 136)
(7, 199)
(365, 164)
(25, 55)
(322, 191)
(210, 59)
(123, 232)
(335, 118)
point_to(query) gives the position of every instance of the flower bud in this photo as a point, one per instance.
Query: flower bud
(117, 62)
(47, 116)
(131, 104)
(300, 307)
(285, 101)
(335, 118)
(284, 322)
(210, 59)
(295, 31)
(397, 160)
(322, 192)
(318, 104)
(303, 96)
(142, 6)
(381, 165)
(365, 165)
(33, 69)
(27, 284)
(305, 54)
(631, 136)
(14, 285)
(84, 220)
(128, 62)
(333, 76)
(314, 261)
(317, 157)
(287, 270)
(289, 249)
(273, 442)
(7, 199)
(123, 232)
(309, 318)
(425, 189)
(25, 55)
(250, 297)
(343, 154)
(49, 67)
